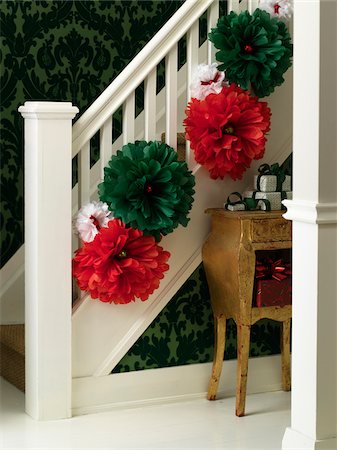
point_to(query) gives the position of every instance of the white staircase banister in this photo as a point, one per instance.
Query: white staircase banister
(136, 71)
(48, 236)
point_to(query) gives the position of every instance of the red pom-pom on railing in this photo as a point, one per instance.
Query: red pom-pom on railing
(227, 131)
(120, 264)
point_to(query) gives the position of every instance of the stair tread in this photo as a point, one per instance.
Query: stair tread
(13, 336)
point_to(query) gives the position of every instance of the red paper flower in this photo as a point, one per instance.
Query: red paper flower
(120, 264)
(227, 131)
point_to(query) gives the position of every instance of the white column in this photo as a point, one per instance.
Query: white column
(48, 140)
(314, 215)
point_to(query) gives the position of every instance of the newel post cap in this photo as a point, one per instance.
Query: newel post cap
(48, 110)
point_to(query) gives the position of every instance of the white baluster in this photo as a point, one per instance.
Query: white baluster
(192, 62)
(245, 5)
(105, 145)
(150, 105)
(83, 191)
(129, 119)
(192, 52)
(233, 5)
(212, 18)
(84, 175)
(171, 69)
(250, 6)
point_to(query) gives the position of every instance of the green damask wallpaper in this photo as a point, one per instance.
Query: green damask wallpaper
(60, 50)
(183, 333)
(71, 50)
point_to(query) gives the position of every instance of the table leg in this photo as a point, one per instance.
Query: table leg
(285, 355)
(219, 350)
(243, 332)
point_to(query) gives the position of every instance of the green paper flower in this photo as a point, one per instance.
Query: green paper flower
(254, 49)
(148, 188)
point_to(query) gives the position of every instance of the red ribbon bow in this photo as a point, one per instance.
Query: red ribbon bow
(215, 79)
(268, 268)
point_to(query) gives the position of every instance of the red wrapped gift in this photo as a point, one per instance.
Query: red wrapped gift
(273, 292)
(273, 283)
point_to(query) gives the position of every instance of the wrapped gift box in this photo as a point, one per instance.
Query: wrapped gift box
(273, 292)
(268, 183)
(274, 198)
(262, 205)
(235, 202)
(237, 207)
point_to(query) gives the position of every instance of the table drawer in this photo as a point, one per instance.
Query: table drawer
(271, 230)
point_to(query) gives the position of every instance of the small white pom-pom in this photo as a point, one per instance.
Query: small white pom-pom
(207, 79)
(90, 219)
(282, 9)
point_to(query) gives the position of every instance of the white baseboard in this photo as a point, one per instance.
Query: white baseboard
(294, 440)
(172, 384)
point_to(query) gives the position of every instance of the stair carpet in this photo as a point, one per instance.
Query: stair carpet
(12, 354)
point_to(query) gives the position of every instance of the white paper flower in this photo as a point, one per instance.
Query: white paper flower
(91, 218)
(282, 9)
(206, 80)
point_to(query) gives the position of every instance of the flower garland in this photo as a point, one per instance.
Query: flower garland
(148, 188)
(227, 131)
(152, 192)
(120, 264)
(254, 49)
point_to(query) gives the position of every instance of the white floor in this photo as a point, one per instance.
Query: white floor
(196, 424)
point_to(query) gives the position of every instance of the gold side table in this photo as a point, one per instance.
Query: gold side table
(229, 261)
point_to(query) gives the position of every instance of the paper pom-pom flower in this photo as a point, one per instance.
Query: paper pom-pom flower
(282, 9)
(147, 188)
(227, 131)
(254, 50)
(120, 264)
(206, 80)
(90, 219)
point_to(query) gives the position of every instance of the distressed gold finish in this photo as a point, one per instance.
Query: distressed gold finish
(229, 261)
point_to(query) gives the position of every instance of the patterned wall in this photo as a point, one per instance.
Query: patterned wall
(183, 333)
(70, 51)
(60, 50)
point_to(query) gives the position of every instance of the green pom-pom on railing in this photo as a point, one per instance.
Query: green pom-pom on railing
(148, 188)
(254, 49)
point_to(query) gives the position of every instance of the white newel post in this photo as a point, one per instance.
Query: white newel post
(314, 215)
(48, 141)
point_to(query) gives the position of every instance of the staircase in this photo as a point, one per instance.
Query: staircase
(87, 346)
